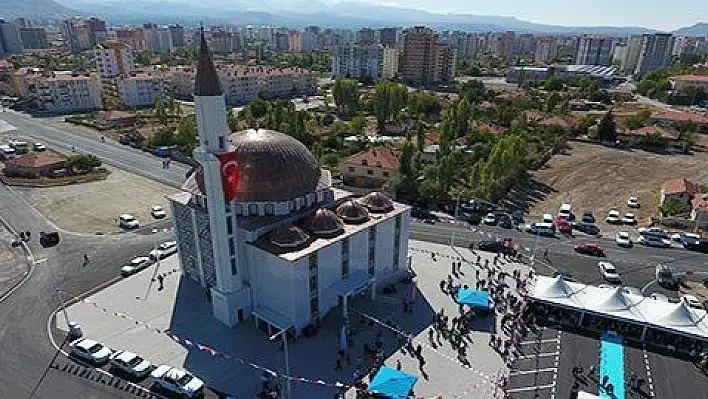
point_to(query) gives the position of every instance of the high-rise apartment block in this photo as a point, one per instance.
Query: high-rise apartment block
(10, 42)
(34, 38)
(113, 59)
(425, 62)
(655, 52)
(78, 35)
(177, 36)
(389, 68)
(363, 62)
(594, 50)
(546, 49)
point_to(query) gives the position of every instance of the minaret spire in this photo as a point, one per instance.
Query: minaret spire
(207, 81)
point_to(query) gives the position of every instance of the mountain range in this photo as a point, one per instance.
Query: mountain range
(328, 13)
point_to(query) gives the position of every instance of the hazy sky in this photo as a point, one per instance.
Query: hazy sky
(659, 14)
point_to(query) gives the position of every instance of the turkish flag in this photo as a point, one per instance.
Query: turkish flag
(229, 174)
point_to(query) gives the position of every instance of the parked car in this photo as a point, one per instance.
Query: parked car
(542, 229)
(157, 212)
(633, 202)
(588, 217)
(135, 265)
(629, 218)
(490, 219)
(613, 217)
(505, 222)
(700, 245)
(164, 250)
(547, 218)
(609, 272)
(654, 241)
(39, 147)
(131, 364)
(128, 221)
(492, 246)
(566, 212)
(683, 236)
(653, 231)
(658, 296)
(666, 277)
(90, 351)
(589, 249)
(632, 290)
(587, 228)
(177, 381)
(692, 301)
(623, 240)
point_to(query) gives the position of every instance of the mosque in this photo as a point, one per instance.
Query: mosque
(261, 228)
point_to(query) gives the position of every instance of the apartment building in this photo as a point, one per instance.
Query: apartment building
(546, 49)
(388, 37)
(358, 61)
(10, 42)
(594, 50)
(294, 41)
(140, 89)
(244, 84)
(655, 52)
(177, 36)
(113, 59)
(133, 37)
(58, 92)
(34, 38)
(78, 35)
(389, 65)
(223, 42)
(445, 64)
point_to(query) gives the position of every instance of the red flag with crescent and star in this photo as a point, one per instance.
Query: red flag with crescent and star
(229, 174)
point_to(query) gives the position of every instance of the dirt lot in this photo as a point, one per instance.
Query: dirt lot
(94, 207)
(598, 178)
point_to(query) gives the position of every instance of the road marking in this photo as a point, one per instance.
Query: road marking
(543, 341)
(555, 362)
(649, 378)
(525, 372)
(549, 354)
(531, 388)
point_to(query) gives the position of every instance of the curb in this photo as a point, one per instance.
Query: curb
(28, 254)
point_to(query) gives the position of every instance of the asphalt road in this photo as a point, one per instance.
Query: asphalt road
(111, 152)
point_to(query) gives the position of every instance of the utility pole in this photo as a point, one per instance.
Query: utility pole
(457, 208)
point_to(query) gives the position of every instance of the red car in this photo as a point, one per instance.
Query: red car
(589, 249)
(563, 226)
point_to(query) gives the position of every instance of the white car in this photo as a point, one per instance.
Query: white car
(131, 364)
(164, 250)
(135, 265)
(609, 272)
(90, 350)
(692, 301)
(565, 211)
(679, 237)
(633, 202)
(39, 147)
(547, 218)
(490, 219)
(177, 381)
(623, 240)
(613, 217)
(658, 296)
(632, 290)
(128, 221)
(629, 218)
(157, 212)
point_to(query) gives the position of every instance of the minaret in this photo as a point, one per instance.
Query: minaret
(210, 108)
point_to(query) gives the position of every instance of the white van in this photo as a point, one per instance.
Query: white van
(128, 221)
(565, 211)
(547, 218)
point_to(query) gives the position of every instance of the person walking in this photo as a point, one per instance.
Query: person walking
(338, 364)
(398, 364)
(160, 281)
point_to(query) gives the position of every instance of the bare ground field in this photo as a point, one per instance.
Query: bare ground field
(94, 207)
(598, 178)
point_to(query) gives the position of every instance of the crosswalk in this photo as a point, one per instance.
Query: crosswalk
(535, 370)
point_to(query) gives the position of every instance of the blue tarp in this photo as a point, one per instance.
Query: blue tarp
(392, 383)
(473, 298)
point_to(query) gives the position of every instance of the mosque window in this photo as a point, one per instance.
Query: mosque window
(269, 209)
(253, 209)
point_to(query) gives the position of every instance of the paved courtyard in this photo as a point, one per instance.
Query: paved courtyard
(175, 326)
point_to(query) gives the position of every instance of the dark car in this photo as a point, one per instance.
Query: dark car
(505, 221)
(496, 246)
(587, 228)
(588, 217)
(471, 217)
(589, 249)
(698, 245)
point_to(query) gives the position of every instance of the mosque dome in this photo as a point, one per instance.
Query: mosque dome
(289, 237)
(377, 202)
(353, 212)
(324, 223)
(272, 166)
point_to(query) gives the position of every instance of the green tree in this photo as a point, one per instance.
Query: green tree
(186, 136)
(160, 112)
(473, 91)
(346, 96)
(554, 83)
(82, 163)
(552, 102)
(607, 129)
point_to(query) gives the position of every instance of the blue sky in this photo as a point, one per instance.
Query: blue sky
(658, 14)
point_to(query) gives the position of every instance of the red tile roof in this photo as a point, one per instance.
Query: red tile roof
(432, 137)
(378, 157)
(558, 121)
(681, 117)
(700, 202)
(37, 160)
(489, 127)
(679, 186)
(666, 133)
(691, 78)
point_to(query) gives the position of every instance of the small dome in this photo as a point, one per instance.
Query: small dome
(324, 223)
(289, 237)
(353, 212)
(377, 202)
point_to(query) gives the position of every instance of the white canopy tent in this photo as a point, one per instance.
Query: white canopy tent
(615, 304)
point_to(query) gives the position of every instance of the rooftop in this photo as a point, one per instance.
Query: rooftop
(681, 117)
(378, 157)
(679, 186)
(691, 78)
(663, 132)
(37, 160)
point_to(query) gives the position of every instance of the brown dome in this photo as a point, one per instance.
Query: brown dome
(324, 223)
(289, 237)
(353, 212)
(272, 166)
(377, 202)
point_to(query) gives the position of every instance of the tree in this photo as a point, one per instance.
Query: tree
(160, 112)
(607, 129)
(82, 163)
(473, 91)
(672, 208)
(346, 96)
(186, 136)
(554, 83)
(553, 100)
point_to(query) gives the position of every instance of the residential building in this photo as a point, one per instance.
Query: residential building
(419, 56)
(78, 34)
(34, 38)
(680, 191)
(309, 39)
(699, 208)
(222, 42)
(59, 92)
(503, 45)
(684, 83)
(389, 68)
(363, 62)
(158, 39)
(371, 168)
(620, 56)
(281, 42)
(113, 59)
(670, 118)
(366, 36)
(467, 45)
(655, 52)
(524, 45)
(244, 84)
(23, 22)
(594, 50)
(241, 229)
(388, 37)
(133, 37)
(177, 36)
(445, 67)
(546, 49)
(97, 30)
(634, 50)
(294, 41)
(10, 42)
(140, 89)
(35, 164)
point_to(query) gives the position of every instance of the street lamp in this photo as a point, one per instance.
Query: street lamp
(283, 333)
(457, 208)
(56, 287)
